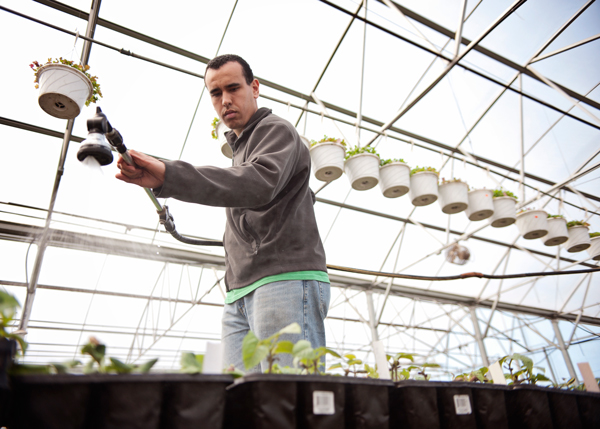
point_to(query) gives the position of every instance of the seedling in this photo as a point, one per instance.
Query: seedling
(478, 375)
(525, 373)
(308, 359)
(191, 363)
(255, 351)
(8, 309)
(396, 371)
(349, 365)
(97, 351)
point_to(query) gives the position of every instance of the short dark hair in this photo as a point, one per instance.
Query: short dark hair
(218, 62)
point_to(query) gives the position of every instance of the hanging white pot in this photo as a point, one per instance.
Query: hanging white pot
(532, 224)
(454, 197)
(504, 212)
(362, 170)
(481, 204)
(327, 160)
(394, 179)
(423, 188)
(305, 141)
(557, 231)
(225, 148)
(594, 249)
(579, 239)
(63, 90)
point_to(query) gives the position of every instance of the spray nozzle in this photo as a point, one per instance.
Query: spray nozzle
(95, 145)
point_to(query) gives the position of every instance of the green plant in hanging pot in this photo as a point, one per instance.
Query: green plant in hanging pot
(362, 167)
(481, 204)
(423, 186)
(218, 133)
(214, 133)
(499, 193)
(453, 195)
(505, 203)
(326, 139)
(532, 223)
(594, 249)
(394, 177)
(327, 156)
(65, 87)
(418, 169)
(579, 236)
(557, 230)
(390, 160)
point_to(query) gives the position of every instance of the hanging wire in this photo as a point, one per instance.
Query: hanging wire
(460, 276)
(204, 86)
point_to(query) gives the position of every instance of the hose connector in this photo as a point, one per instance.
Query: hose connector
(165, 219)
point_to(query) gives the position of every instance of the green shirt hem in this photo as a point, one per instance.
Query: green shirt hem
(235, 294)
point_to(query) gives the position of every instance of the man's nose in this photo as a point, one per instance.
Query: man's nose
(226, 99)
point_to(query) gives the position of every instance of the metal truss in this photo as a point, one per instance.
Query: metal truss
(458, 332)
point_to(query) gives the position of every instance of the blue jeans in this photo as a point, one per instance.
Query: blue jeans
(270, 308)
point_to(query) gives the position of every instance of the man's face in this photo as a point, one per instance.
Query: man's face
(233, 99)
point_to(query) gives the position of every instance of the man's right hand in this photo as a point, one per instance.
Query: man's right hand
(148, 172)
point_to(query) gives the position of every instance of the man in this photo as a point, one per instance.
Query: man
(274, 259)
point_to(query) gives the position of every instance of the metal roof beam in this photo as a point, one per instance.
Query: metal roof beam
(521, 69)
(171, 48)
(93, 243)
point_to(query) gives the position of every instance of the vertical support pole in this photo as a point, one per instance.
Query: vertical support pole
(372, 318)
(564, 351)
(550, 366)
(479, 338)
(43, 241)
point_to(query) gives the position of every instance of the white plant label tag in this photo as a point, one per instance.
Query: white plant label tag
(462, 404)
(497, 375)
(213, 359)
(381, 360)
(588, 377)
(323, 402)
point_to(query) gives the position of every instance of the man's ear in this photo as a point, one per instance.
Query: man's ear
(255, 88)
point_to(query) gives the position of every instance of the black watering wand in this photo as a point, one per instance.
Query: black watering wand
(95, 146)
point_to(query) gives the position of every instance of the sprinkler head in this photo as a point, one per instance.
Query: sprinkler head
(95, 145)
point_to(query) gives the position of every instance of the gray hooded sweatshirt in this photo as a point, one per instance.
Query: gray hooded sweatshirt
(271, 226)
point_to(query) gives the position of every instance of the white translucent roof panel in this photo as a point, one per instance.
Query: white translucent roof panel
(111, 271)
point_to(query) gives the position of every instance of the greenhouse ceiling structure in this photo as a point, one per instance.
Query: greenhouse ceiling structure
(501, 95)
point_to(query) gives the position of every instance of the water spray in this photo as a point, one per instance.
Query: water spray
(100, 130)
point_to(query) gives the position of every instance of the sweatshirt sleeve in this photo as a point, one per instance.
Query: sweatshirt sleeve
(272, 156)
